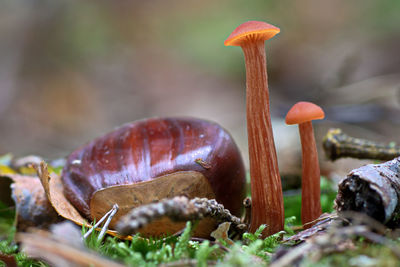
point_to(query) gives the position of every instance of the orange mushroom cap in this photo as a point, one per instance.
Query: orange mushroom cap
(253, 30)
(303, 112)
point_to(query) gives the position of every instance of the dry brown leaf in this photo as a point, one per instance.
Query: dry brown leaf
(32, 206)
(54, 190)
(222, 233)
(55, 193)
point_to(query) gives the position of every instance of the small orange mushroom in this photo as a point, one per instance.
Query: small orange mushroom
(302, 113)
(266, 189)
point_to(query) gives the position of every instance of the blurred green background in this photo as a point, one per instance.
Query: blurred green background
(73, 70)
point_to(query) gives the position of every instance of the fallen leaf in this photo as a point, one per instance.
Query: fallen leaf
(32, 205)
(221, 233)
(4, 170)
(54, 190)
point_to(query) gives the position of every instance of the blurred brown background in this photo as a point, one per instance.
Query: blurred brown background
(73, 70)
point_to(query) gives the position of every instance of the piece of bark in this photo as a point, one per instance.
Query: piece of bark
(337, 145)
(320, 226)
(147, 218)
(372, 189)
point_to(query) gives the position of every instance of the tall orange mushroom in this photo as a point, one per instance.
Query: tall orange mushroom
(266, 188)
(302, 113)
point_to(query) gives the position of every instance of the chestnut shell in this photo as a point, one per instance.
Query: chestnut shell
(146, 149)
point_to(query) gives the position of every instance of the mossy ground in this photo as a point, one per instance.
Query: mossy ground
(250, 250)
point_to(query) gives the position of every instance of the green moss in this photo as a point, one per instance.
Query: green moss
(7, 217)
(151, 252)
(8, 247)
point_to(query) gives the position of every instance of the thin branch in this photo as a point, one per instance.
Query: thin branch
(178, 209)
(339, 145)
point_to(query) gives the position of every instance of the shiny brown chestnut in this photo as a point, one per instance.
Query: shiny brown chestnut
(151, 159)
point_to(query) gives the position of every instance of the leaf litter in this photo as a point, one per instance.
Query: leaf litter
(332, 234)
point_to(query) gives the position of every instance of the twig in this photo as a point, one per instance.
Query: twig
(110, 214)
(247, 211)
(107, 223)
(321, 225)
(54, 250)
(97, 224)
(177, 209)
(293, 255)
(338, 145)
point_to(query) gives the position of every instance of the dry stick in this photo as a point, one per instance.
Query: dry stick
(53, 250)
(321, 225)
(177, 209)
(339, 145)
(97, 224)
(293, 255)
(107, 223)
(247, 211)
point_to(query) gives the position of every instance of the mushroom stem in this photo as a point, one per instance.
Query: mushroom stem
(310, 187)
(266, 189)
